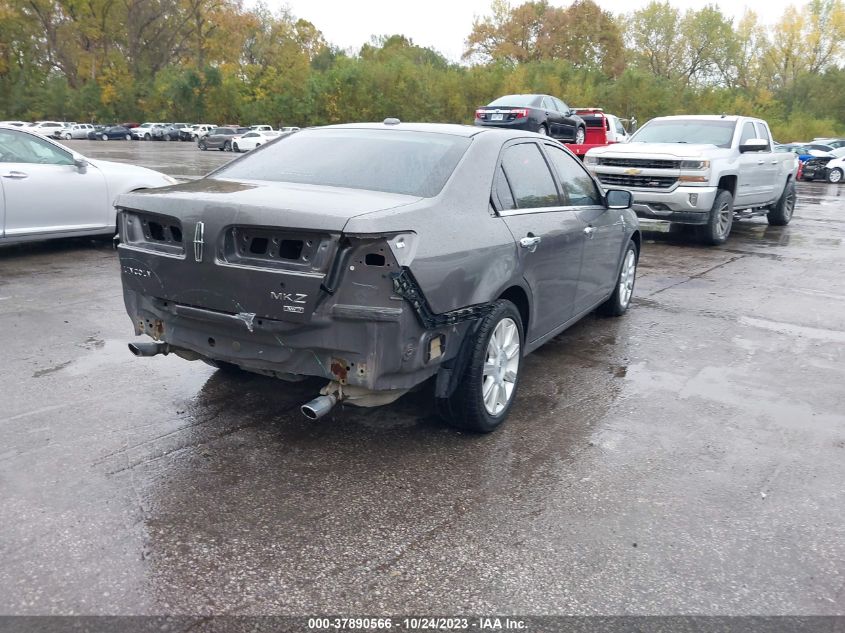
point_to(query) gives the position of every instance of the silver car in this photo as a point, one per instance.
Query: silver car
(378, 256)
(48, 191)
(75, 131)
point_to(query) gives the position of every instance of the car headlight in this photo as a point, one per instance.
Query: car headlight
(695, 164)
(591, 160)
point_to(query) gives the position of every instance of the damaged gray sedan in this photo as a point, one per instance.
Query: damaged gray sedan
(378, 256)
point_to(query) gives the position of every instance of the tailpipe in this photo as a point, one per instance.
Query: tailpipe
(318, 407)
(149, 349)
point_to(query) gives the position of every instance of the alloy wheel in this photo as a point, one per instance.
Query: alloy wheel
(500, 366)
(627, 277)
(724, 219)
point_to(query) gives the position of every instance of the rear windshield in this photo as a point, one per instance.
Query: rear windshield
(516, 100)
(719, 133)
(393, 161)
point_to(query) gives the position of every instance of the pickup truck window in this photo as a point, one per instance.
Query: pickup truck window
(747, 132)
(714, 132)
(763, 133)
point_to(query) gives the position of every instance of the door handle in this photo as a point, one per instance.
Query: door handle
(18, 175)
(760, 162)
(588, 231)
(530, 243)
(774, 162)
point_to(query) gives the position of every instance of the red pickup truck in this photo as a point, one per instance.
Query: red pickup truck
(601, 129)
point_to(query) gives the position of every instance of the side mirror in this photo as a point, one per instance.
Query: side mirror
(80, 163)
(754, 145)
(619, 199)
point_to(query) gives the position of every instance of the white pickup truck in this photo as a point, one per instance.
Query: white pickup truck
(701, 170)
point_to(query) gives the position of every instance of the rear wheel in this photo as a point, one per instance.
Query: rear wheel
(721, 219)
(543, 130)
(67, 136)
(487, 389)
(105, 137)
(780, 213)
(202, 145)
(128, 137)
(835, 175)
(236, 148)
(580, 135)
(227, 147)
(147, 136)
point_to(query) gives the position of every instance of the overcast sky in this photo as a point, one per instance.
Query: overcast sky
(445, 24)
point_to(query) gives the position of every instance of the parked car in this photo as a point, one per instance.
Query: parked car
(14, 123)
(221, 138)
(324, 254)
(835, 143)
(704, 171)
(173, 132)
(830, 168)
(45, 128)
(200, 130)
(251, 140)
(289, 129)
(77, 131)
(803, 152)
(544, 114)
(50, 191)
(114, 133)
(261, 128)
(148, 131)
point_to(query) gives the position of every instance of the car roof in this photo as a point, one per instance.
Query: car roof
(435, 128)
(707, 117)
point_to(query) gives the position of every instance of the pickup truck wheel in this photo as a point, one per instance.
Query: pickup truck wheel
(780, 213)
(721, 219)
(835, 175)
(619, 301)
(580, 135)
(487, 389)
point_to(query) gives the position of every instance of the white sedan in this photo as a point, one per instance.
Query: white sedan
(251, 140)
(48, 191)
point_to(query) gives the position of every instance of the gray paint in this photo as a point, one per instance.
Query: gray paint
(460, 251)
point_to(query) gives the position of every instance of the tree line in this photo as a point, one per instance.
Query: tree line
(215, 60)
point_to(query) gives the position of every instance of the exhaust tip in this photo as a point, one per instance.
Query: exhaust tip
(134, 349)
(318, 407)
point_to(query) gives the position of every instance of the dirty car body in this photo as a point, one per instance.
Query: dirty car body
(370, 255)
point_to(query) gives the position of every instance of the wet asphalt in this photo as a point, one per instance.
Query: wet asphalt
(688, 457)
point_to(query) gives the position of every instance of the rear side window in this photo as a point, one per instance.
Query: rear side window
(763, 133)
(503, 191)
(529, 176)
(578, 188)
(392, 161)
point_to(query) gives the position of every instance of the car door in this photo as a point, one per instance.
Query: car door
(748, 189)
(603, 228)
(553, 118)
(45, 192)
(768, 169)
(549, 236)
(567, 123)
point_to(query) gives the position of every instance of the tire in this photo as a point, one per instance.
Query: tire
(543, 130)
(105, 137)
(780, 213)
(235, 148)
(227, 146)
(718, 226)
(147, 136)
(68, 137)
(617, 304)
(467, 408)
(580, 135)
(166, 137)
(835, 175)
(128, 137)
